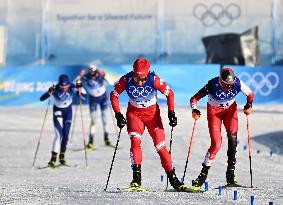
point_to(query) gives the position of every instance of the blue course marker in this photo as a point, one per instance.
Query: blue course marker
(219, 190)
(206, 186)
(235, 195)
(161, 178)
(252, 200)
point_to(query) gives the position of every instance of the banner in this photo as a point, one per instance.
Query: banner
(24, 85)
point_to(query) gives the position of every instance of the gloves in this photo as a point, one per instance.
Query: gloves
(196, 114)
(172, 118)
(248, 108)
(79, 83)
(51, 90)
(121, 121)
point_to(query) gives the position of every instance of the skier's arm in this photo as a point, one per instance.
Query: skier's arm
(250, 98)
(248, 92)
(165, 90)
(200, 94)
(48, 93)
(44, 96)
(118, 89)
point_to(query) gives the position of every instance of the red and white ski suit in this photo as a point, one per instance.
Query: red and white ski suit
(221, 106)
(143, 111)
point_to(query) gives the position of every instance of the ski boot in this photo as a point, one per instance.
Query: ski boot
(89, 146)
(52, 162)
(106, 139)
(200, 179)
(174, 181)
(136, 182)
(230, 175)
(62, 158)
(135, 185)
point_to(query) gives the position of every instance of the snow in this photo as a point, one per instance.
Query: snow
(20, 184)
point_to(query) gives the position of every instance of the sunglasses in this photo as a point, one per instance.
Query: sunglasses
(138, 79)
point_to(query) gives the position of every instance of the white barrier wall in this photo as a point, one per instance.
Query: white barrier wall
(117, 31)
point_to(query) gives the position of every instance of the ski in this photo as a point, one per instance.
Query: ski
(44, 167)
(135, 189)
(189, 190)
(67, 165)
(57, 166)
(236, 186)
(82, 149)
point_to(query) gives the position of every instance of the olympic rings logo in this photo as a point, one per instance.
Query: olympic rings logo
(263, 84)
(217, 13)
(226, 94)
(140, 91)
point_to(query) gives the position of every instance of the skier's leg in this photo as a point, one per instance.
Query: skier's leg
(135, 129)
(67, 120)
(231, 126)
(214, 126)
(58, 123)
(156, 131)
(93, 116)
(158, 137)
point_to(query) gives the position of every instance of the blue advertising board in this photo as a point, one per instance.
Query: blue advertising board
(24, 85)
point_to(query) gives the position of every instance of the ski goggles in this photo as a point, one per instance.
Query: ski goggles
(138, 79)
(64, 87)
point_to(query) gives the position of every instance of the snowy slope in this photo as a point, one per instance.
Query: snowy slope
(20, 184)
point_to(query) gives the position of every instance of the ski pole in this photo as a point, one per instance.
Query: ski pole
(170, 146)
(250, 150)
(41, 132)
(113, 159)
(189, 150)
(74, 124)
(83, 132)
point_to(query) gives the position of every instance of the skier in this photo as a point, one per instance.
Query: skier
(93, 83)
(143, 111)
(62, 94)
(221, 106)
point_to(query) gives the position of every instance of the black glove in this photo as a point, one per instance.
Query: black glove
(172, 118)
(248, 108)
(51, 90)
(196, 114)
(79, 83)
(121, 121)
